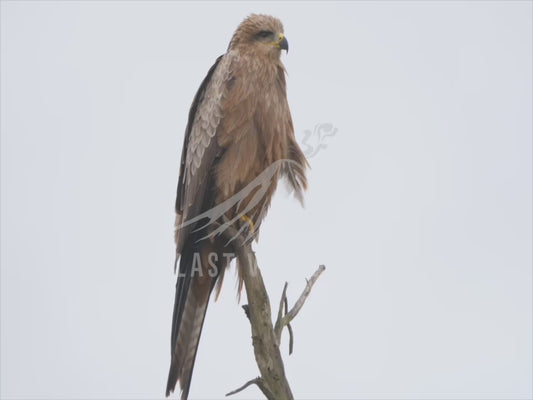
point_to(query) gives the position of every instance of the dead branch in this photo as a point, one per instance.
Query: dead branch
(289, 327)
(282, 303)
(265, 339)
(257, 381)
(281, 322)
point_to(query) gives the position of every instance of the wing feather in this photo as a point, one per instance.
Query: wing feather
(198, 98)
(199, 153)
(199, 149)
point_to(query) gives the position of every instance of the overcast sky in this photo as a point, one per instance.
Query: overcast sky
(419, 206)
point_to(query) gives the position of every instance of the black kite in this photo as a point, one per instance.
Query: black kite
(239, 127)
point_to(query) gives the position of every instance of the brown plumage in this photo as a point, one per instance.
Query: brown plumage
(239, 140)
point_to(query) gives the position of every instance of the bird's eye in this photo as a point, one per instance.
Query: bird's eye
(264, 34)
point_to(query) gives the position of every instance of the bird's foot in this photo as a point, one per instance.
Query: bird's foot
(247, 219)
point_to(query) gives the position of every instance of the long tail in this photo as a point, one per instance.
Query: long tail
(193, 289)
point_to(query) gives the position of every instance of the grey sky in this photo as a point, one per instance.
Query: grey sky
(420, 206)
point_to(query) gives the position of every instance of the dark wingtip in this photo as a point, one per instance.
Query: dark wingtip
(172, 379)
(185, 391)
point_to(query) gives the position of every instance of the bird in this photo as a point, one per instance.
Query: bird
(239, 141)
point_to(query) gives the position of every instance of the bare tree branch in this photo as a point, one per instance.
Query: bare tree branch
(288, 317)
(278, 327)
(257, 381)
(266, 350)
(289, 327)
(303, 297)
(265, 339)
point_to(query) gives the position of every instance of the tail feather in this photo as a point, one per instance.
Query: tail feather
(193, 289)
(188, 338)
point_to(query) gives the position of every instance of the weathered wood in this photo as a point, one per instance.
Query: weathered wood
(265, 339)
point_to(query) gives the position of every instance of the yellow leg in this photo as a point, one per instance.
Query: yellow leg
(250, 222)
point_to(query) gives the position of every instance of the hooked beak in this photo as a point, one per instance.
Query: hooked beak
(282, 43)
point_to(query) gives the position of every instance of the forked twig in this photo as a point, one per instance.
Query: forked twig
(281, 322)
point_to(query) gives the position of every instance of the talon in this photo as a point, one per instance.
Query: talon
(246, 218)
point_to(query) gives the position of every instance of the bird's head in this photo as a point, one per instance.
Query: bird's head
(262, 34)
